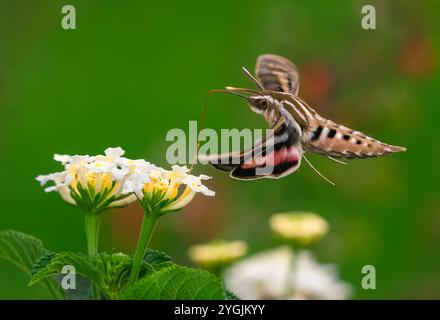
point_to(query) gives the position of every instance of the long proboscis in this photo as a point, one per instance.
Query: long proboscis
(241, 90)
(229, 90)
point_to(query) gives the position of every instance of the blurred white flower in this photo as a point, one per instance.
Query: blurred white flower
(279, 274)
(313, 280)
(262, 276)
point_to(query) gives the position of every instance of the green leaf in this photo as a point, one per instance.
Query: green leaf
(20, 249)
(154, 257)
(109, 271)
(177, 282)
(231, 296)
(23, 250)
(54, 264)
(83, 287)
(42, 262)
(116, 268)
(154, 261)
(83, 290)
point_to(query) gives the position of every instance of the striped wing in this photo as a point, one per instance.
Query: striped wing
(319, 135)
(273, 157)
(277, 73)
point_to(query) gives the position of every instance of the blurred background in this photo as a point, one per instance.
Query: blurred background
(132, 70)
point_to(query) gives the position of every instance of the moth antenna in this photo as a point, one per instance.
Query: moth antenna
(252, 78)
(337, 160)
(319, 173)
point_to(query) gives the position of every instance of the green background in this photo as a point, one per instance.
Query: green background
(134, 69)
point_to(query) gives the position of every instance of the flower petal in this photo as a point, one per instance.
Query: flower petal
(114, 152)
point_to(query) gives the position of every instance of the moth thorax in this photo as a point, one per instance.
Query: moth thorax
(272, 114)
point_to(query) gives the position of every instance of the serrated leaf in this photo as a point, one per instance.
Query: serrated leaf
(55, 265)
(156, 257)
(109, 271)
(42, 262)
(20, 249)
(83, 285)
(177, 282)
(23, 250)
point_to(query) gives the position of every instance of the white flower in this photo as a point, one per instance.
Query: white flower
(61, 180)
(135, 183)
(164, 190)
(64, 159)
(93, 183)
(262, 276)
(195, 184)
(279, 274)
(114, 153)
(313, 280)
(182, 171)
(111, 180)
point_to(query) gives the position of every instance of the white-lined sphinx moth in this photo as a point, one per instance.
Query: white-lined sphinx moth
(297, 127)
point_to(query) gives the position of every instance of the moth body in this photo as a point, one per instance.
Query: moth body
(296, 126)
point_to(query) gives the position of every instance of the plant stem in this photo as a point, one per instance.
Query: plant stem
(147, 228)
(92, 235)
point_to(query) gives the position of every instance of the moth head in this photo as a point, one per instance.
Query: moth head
(259, 103)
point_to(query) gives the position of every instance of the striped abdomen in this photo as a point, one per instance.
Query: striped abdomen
(328, 138)
(322, 136)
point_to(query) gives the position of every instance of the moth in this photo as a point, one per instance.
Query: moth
(297, 128)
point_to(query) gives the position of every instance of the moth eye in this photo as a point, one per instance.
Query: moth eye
(264, 103)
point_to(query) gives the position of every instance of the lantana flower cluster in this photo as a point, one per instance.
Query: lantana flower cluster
(96, 183)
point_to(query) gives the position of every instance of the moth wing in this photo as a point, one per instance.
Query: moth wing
(277, 73)
(273, 157)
